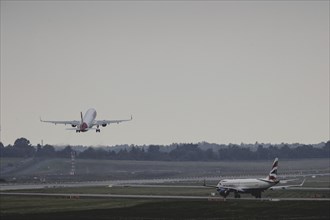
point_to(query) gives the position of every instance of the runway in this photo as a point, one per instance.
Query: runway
(139, 182)
(5, 187)
(203, 198)
(86, 184)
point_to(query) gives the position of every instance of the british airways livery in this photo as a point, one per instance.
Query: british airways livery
(253, 186)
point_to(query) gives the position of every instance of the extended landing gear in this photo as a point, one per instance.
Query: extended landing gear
(98, 130)
(257, 195)
(237, 195)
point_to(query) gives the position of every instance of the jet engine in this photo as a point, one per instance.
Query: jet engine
(103, 125)
(224, 192)
(74, 126)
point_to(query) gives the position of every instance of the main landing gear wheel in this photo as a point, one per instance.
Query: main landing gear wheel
(98, 130)
(258, 195)
(237, 195)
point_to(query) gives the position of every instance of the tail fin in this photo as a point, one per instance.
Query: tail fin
(273, 173)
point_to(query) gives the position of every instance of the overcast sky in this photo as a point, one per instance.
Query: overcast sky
(188, 71)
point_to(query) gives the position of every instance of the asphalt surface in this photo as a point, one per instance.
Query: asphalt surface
(205, 198)
(166, 182)
(5, 187)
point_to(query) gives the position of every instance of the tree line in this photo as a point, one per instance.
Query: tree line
(180, 152)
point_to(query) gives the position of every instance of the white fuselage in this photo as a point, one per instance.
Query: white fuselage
(245, 184)
(87, 122)
(88, 119)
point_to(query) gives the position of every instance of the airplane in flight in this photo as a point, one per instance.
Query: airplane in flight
(253, 186)
(87, 122)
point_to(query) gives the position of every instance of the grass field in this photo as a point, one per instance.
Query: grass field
(59, 169)
(59, 208)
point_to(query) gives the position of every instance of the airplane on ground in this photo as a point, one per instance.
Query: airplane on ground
(253, 186)
(87, 122)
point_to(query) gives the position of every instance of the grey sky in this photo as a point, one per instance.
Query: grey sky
(216, 71)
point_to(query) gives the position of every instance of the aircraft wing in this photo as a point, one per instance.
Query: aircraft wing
(107, 122)
(232, 189)
(62, 122)
(287, 186)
